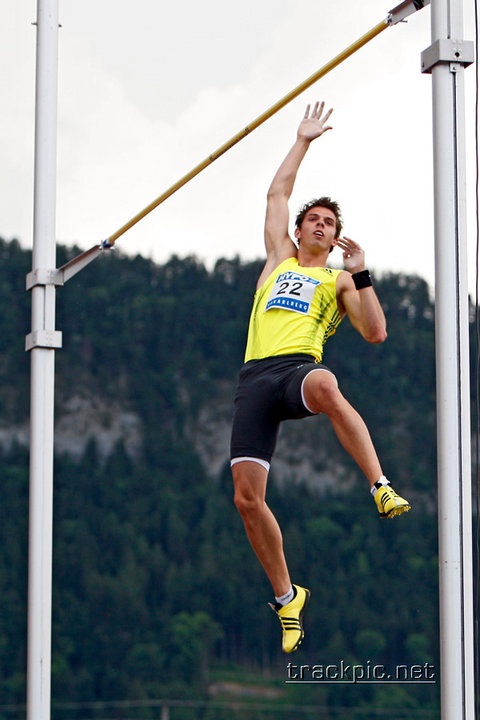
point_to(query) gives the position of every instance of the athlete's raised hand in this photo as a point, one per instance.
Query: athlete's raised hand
(353, 255)
(314, 123)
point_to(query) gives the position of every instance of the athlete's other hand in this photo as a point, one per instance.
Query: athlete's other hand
(353, 255)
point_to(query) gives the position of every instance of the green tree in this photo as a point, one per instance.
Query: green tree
(193, 639)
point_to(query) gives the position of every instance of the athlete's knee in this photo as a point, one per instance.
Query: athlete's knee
(249, 492)
(321, 392)
(247, 504)
(246, 500)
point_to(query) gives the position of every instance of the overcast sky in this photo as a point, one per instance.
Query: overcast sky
(149, 89)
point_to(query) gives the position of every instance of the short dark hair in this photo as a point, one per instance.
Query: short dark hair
(325, 202)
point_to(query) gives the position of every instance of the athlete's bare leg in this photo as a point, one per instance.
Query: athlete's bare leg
(263, 531)
(321, 395)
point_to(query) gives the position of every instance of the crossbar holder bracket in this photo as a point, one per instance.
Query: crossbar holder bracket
(42, 276)
(446, 50)
(404, 10)
(50, 339)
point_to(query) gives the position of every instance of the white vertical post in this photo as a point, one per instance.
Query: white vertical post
(42, 342)
(446, 63)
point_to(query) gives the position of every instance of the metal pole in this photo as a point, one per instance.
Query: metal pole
(42, 342)
(446, 59)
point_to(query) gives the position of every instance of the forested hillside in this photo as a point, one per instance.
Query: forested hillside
(157, 593)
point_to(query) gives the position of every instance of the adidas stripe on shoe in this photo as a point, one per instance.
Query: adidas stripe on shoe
(290, 617)
(388, 503)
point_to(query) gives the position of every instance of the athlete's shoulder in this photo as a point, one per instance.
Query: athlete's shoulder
(271, 270)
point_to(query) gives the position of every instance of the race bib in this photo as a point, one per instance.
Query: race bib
(292, 292)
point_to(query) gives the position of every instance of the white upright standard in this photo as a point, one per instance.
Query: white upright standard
(446, 59)
(41, 342)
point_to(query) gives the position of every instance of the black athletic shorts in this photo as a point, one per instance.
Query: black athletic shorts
(268, 392)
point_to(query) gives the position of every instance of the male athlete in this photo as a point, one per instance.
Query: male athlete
(298, 304)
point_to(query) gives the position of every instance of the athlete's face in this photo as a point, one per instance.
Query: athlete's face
(318, 228)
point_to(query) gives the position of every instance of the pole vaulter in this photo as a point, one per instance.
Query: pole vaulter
(398, 14)
(43, 339)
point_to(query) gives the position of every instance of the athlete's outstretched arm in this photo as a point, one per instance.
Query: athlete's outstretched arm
(278, 244)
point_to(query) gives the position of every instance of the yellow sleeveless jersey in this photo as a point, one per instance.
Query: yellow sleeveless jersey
(294, 311)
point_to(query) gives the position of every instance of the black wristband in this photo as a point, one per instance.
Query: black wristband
(362, 279)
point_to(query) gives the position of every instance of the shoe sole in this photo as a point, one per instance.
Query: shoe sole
(398, 510)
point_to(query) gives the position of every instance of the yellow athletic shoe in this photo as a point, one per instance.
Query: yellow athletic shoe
(389, 504)
(290, 616)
